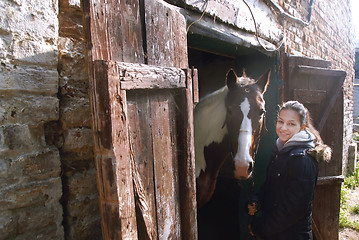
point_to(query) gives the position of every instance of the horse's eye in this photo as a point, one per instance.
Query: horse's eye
(247, 90)
(261, 112)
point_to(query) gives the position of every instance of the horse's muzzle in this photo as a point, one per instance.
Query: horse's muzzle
(243, 171)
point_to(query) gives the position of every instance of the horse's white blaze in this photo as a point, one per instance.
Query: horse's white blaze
(209, 115)
(243, 158)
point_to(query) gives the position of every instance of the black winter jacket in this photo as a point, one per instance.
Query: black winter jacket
(286, 197)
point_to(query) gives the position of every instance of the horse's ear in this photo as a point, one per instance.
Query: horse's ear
(263, 81)
(231, 79)
(244, 73)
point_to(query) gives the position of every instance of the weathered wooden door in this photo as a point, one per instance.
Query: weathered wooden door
(319, 88)
(142, 104)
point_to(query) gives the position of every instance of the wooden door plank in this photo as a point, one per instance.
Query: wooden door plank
(333, 130)
(167, 218)
(166, 35)
(316, 233)
(290, 64)
(187, 166)
(111, 149)
(114, 30)
(333, 95)
(141, 143)
(166, 41)
(329, 180)
(326, 210)
(307, 61)
(309, 96)
(141, 76)
(195, 87)
(143, 203)
(320, 71)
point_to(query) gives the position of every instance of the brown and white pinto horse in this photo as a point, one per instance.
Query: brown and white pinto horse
(227, 125)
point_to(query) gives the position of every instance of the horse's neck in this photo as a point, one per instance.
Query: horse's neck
(209, 119)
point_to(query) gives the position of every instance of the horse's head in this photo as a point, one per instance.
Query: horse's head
(244, 119)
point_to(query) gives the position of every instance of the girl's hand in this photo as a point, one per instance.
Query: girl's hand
(252, 209)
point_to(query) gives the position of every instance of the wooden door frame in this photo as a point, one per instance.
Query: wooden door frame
(117, 31)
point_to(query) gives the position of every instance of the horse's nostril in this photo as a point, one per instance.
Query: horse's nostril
(250, 168)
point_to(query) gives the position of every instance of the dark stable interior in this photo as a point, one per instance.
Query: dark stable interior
(224, 216)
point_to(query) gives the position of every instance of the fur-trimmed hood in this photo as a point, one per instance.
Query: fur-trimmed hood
(319, 151)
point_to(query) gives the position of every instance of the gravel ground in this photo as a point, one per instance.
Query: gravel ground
(349, 234)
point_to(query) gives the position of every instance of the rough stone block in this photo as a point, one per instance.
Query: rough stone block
(82, 206)
(53, 232)
(7, 225)
(27, 109)
(84, 220)
(36, 18)
(70, 48)
(17, 139)
(5, 43)
(34, 52)
(76, 113)
(31, 194)
(77, 139)
(71, 23)
(82, 186)
(36, 166)
(34, 222)
(30, 79)
(77, 162)
(33, 219)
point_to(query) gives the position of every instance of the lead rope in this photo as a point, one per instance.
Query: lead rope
(249, 197)
(251, 190)
(251, 216)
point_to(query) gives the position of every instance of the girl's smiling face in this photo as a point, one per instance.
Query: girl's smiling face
(288, 124)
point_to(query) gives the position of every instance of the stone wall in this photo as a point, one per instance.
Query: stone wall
(47, 174)
(80, 197)
(30, 169)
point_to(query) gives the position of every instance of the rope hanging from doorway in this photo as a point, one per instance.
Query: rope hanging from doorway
(199, 19)
(256, 30)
